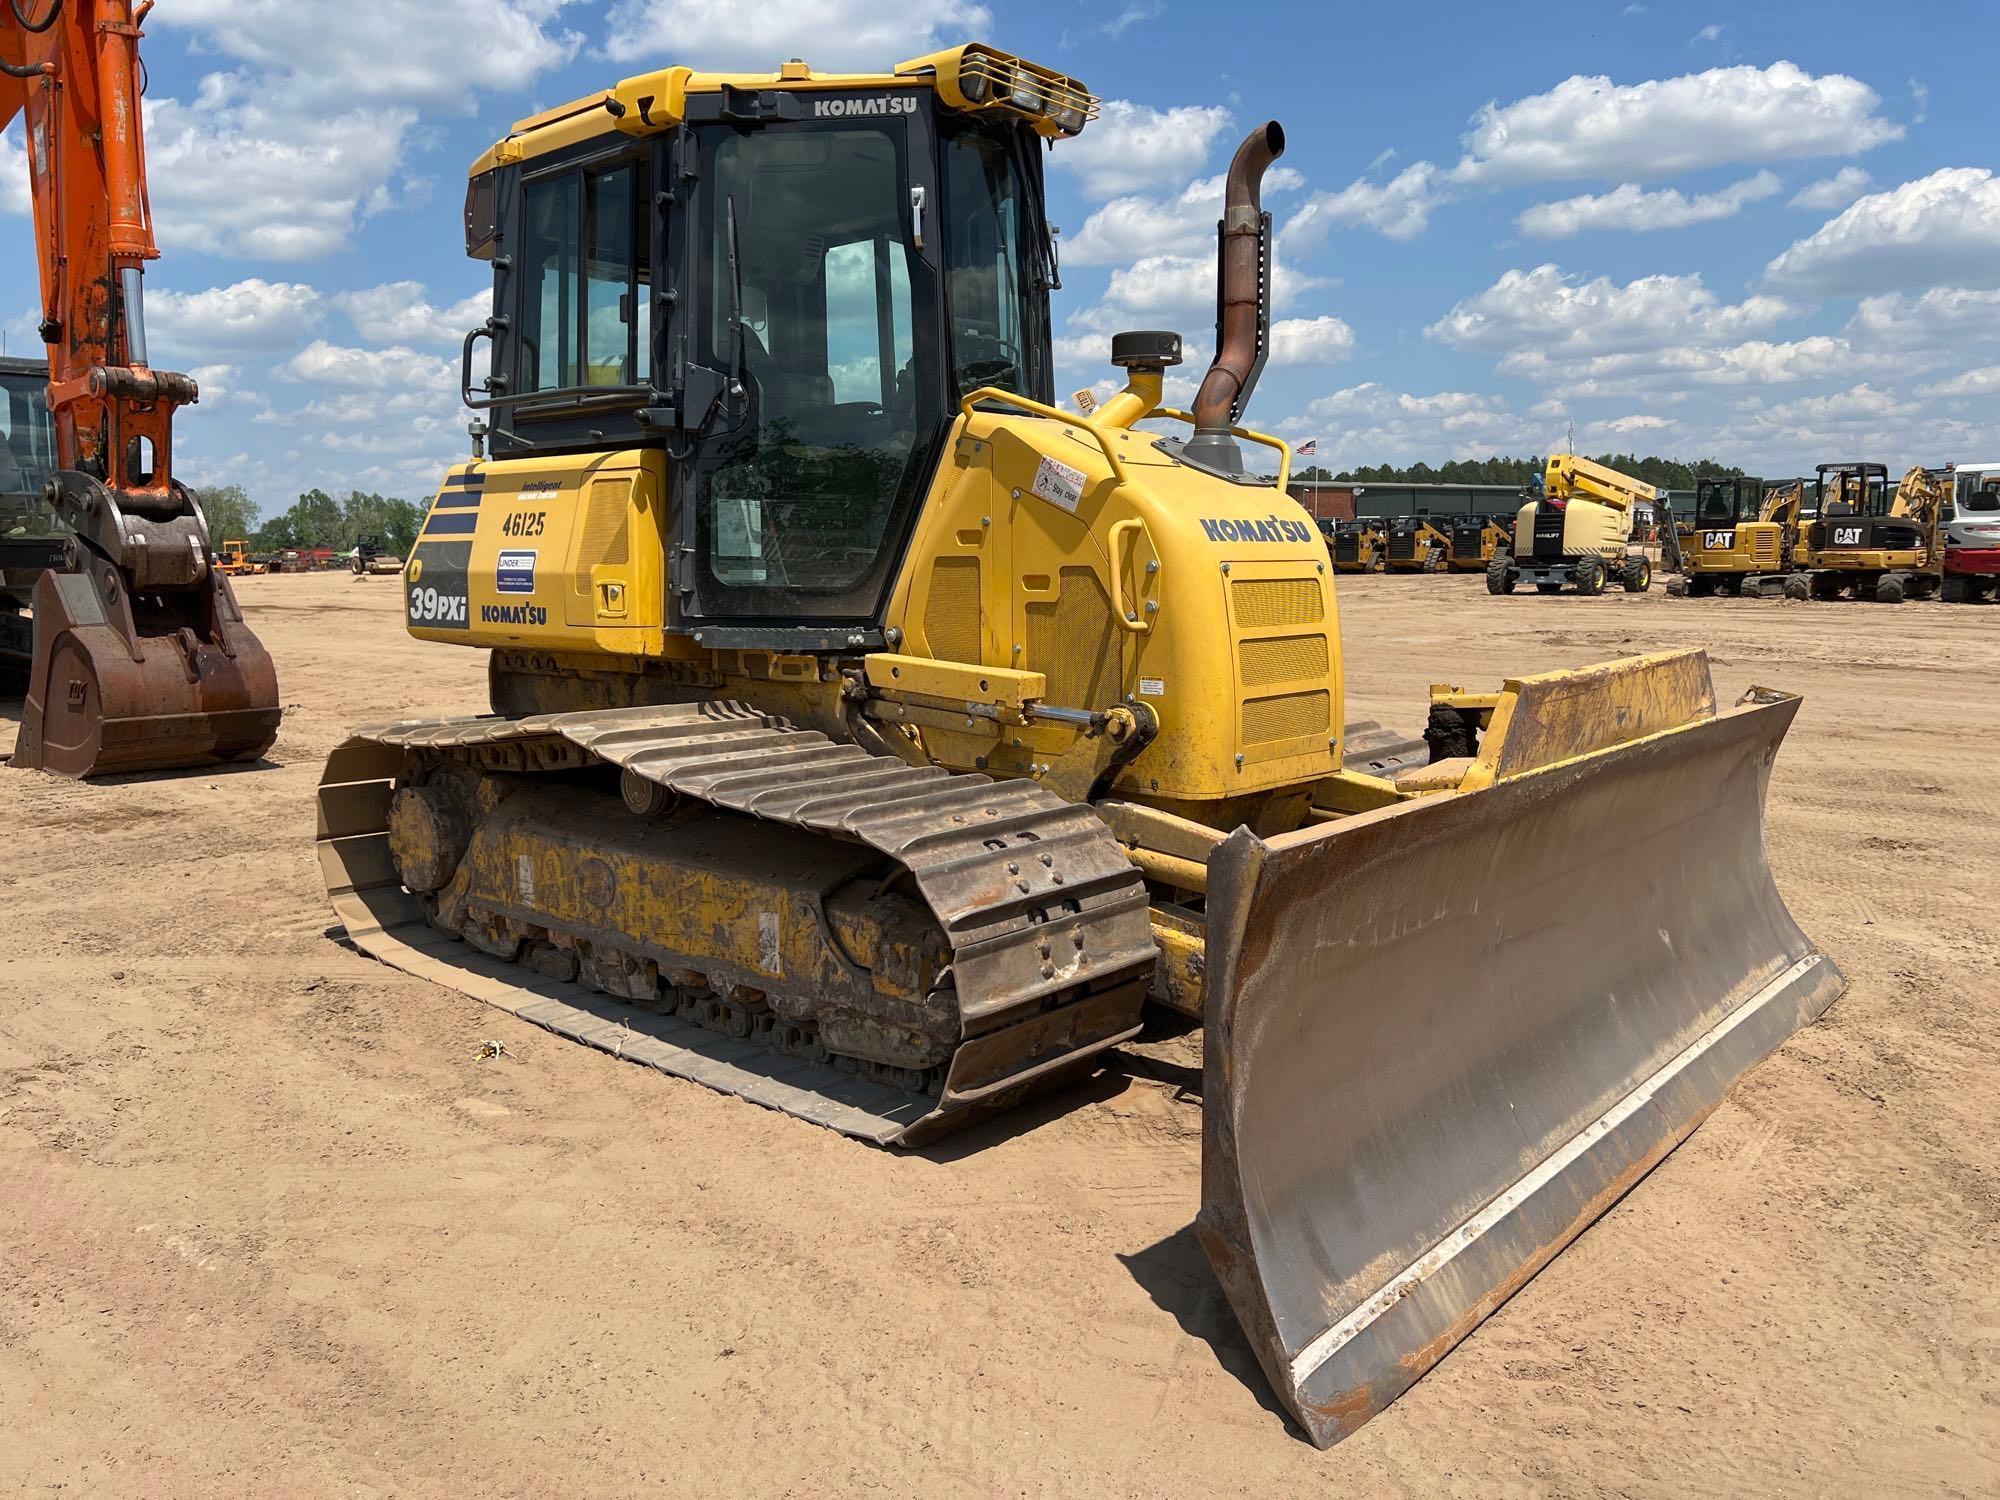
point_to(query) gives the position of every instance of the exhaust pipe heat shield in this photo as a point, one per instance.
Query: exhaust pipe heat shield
(1443, 1037)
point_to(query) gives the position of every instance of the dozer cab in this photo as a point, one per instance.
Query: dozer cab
(1577, 532)
(1475, 539)
(874, 740)
(138, 656)
(1871, 542)
(1358, 546)
(1743, 538)
(1416, 544)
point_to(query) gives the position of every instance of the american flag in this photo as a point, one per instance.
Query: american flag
(1308, 448)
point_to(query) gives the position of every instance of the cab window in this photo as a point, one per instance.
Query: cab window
(586, 280)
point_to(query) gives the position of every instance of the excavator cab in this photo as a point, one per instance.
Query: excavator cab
(32, 538)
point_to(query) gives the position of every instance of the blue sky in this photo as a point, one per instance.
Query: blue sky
(1768, 234)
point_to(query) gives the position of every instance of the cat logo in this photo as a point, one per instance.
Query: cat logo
(1847, 536)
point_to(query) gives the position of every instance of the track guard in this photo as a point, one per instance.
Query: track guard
(1442, 1038)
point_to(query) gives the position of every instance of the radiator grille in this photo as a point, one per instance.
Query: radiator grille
(1347, 548)
(1262, 603)
(1286, 717)
(1402, 544)
(606, 535)
(1070, 642)
(1285, 658)
(1767, 546)
(951, 617)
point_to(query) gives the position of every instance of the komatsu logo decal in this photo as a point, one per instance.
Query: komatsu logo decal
(1269, 529)
(513, 614)
(833, 108)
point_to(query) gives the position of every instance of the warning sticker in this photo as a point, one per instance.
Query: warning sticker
(1152, 687)
(514, 573)
(1059, 484)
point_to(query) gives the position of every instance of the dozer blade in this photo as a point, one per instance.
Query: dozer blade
(166, 681)
(1443, 1037)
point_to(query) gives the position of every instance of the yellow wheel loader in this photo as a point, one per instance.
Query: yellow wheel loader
(1870, 542)
(1577, 533)
(874, 740)
(1744, 538)
(1416, 544)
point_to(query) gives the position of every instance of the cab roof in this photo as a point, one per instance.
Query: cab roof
(972, 77)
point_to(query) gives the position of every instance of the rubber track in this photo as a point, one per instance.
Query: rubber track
(1014, 874)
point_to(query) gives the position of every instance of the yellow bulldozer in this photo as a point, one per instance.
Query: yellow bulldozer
(1578, 532)
(874, 740)
(1743, 538)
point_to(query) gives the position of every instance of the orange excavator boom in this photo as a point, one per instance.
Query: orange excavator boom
(141, 656)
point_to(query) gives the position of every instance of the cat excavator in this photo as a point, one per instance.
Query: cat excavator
(1744, 537)
(876, 741)
(138, 656)
(1871, 542)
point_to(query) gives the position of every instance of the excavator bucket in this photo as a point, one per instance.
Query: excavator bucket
(1443, 1037)
(160, 681)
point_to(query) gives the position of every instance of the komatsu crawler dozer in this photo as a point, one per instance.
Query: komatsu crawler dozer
(874, 740)
(138, 656)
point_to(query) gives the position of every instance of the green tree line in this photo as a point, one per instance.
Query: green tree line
(316, 519)
(1667, 473)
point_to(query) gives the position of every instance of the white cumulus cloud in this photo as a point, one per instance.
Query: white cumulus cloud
(435, 52)
(1548, 310)
(1399, 208)
(1592, 127)
(1837, 191)
(1632, 208)
(1133, 148)
(248, 316)
(400, 312)
(1126, 228)
(1324, 340)
(856, 35)
(1940, 230)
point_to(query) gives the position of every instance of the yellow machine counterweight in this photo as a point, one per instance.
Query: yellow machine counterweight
(874, 740)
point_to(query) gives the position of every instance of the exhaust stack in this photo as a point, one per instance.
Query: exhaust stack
(1243, 304)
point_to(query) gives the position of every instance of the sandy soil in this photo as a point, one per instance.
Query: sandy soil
(267, 1226)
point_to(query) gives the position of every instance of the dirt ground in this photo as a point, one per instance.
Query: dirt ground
(267, 1226)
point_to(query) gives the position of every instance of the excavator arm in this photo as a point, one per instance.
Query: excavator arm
(141, 658)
